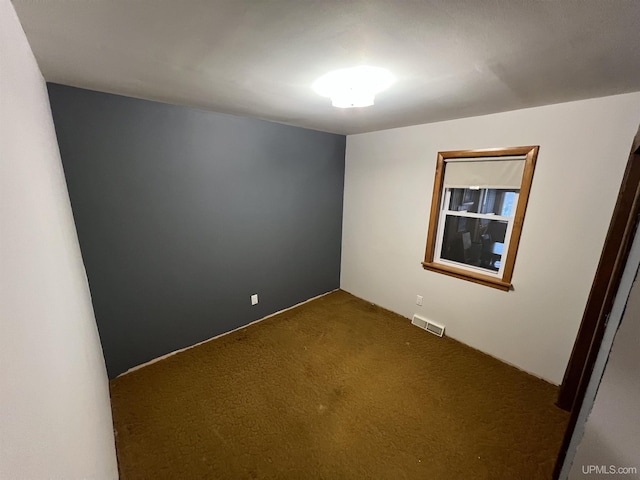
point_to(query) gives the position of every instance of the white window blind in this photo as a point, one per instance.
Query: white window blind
(484, 173)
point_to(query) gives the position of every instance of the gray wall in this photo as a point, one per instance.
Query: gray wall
(183, 214)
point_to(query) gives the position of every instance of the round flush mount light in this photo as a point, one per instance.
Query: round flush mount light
(353, 87)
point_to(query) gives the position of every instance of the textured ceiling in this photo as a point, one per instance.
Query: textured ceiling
(452, 58)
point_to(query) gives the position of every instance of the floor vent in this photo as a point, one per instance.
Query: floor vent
(428, 325)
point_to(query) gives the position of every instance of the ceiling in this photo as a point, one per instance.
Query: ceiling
(258, 58)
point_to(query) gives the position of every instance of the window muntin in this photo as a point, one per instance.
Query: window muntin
(477, 210)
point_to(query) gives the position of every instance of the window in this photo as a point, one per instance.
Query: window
(477, 210)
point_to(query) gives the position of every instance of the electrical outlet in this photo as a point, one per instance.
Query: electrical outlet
(419, 300)
(254, 299)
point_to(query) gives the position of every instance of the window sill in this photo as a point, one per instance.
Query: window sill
(469, 276)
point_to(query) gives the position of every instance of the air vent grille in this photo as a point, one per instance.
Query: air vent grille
(428, 325)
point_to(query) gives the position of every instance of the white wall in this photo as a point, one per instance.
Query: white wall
(584, 147)
(55, 416)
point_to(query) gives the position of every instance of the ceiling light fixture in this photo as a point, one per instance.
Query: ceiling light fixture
(353, 87)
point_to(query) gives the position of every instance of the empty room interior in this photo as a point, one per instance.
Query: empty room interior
(319, 239)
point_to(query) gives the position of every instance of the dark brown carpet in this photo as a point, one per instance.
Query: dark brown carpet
(334, 389)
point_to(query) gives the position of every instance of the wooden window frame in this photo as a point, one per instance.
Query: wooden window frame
(504, 282)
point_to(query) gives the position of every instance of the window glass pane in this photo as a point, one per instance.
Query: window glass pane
(474, 241)
(483, 200)
(507, 204)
